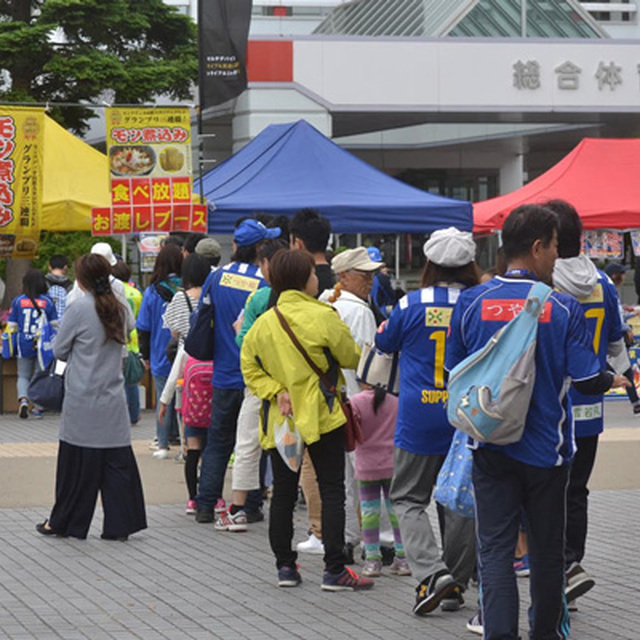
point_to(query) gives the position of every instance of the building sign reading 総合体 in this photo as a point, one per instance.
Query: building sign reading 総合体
(149, 154)
(21, 153)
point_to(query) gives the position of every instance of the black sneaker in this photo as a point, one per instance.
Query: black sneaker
(205, 516)
(432, 590)
(254, 515)
(288, 577)
(578, 582)
(23, 411)
(454, 602)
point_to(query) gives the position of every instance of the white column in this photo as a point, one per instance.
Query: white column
(511, 174)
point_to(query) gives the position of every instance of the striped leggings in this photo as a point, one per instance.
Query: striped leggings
(370, 491)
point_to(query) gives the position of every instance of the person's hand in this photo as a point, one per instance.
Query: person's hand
(237, 325)
(620, 382)
(284, 404)
(162, 411)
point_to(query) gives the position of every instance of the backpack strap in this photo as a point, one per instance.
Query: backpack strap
(537, 298)
(188, 299)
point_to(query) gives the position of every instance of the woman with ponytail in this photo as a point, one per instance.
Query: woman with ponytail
(28, 314)
(94, 454)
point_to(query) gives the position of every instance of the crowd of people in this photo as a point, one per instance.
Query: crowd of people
(290, 323)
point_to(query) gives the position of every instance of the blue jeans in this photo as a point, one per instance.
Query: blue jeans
(221, 439)
(132, 391)
(26, 369)
(167, 427)
(505, 487)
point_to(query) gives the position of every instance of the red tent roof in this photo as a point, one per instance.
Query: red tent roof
(600, 178)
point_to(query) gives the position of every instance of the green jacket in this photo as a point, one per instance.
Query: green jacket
(254, 307)
(271, 363)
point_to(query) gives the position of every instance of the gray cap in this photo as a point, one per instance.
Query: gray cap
(209, 248)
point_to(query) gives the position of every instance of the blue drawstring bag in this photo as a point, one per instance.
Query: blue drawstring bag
(454, 488)
(44, 344)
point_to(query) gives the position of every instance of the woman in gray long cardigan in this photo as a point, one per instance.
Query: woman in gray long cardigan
(95, 452)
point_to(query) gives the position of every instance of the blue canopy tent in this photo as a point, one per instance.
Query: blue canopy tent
(291, 166)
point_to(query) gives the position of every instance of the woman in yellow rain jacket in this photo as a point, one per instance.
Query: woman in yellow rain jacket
(276, 371)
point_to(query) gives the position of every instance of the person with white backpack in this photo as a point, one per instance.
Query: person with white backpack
(529, 475)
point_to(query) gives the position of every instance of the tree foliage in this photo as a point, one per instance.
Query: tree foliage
(121, 51)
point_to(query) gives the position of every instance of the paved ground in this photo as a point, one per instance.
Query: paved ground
(179, 579)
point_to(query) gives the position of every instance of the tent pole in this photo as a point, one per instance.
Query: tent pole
(358, 239)
(124, 248)
(397, 258)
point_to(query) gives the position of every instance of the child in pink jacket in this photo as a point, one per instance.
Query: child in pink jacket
(377, 411)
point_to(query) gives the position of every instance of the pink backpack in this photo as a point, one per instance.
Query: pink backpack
(196, 393)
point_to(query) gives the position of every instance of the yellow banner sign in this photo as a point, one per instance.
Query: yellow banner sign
(21, 159)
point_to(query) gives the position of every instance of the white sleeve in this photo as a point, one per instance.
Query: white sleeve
(176, 372)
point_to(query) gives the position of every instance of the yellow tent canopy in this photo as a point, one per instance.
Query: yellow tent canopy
(75, 179)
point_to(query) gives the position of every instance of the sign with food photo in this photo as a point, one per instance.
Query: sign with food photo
(21, 153)
(149, 154)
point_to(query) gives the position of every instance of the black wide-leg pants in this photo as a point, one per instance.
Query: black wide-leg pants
(83, 473)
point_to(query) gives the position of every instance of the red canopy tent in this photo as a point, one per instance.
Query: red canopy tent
(600, 178)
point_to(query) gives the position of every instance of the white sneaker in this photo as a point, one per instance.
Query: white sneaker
(312, 545)
(161, 454)
(153, 445)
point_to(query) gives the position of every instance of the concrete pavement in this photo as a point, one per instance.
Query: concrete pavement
(179, 579)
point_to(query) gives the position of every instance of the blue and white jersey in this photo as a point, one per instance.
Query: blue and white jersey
(564, 352)
(228, 289)
(418, 328)
(603, 320)
(28, 321)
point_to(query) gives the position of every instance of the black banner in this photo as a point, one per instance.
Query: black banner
(223, 32)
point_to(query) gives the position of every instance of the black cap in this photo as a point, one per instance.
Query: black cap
(615, 267)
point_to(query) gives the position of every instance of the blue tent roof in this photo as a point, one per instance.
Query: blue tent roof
(291, 166)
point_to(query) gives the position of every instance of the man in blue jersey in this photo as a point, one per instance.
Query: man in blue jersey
(228, 289)
(529, 476)
(576, 275)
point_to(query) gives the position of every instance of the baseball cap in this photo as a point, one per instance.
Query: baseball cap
(357, 258)
(208, 247)
(252, 231)
(450, 247)
(374, 254)
(104, 249)
(615, 267)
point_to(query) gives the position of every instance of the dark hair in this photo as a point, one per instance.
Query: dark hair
(290, 269)
(569, 228)
(169, 261)
(176, 240)
(246, 254)
(92, 272)
(379, 394)
(195, 269)
(523, 226)
(121, 271)
(467, 275)
(268, 248)
(34, 284)
(58, 262)
(192, 240)
(282, 222)
(312, 228)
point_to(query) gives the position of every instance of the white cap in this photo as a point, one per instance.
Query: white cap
(104, 249)
(357, 258)
(450, 247)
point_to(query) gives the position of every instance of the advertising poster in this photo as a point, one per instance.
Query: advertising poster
(149, 154)
(21, 156)
(603, 245)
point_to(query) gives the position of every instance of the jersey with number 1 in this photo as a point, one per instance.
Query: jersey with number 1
(603, 321)
(418, 328)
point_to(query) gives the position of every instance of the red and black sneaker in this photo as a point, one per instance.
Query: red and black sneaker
(346, 580)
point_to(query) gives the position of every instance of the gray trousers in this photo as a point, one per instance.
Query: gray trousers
(414, 478)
